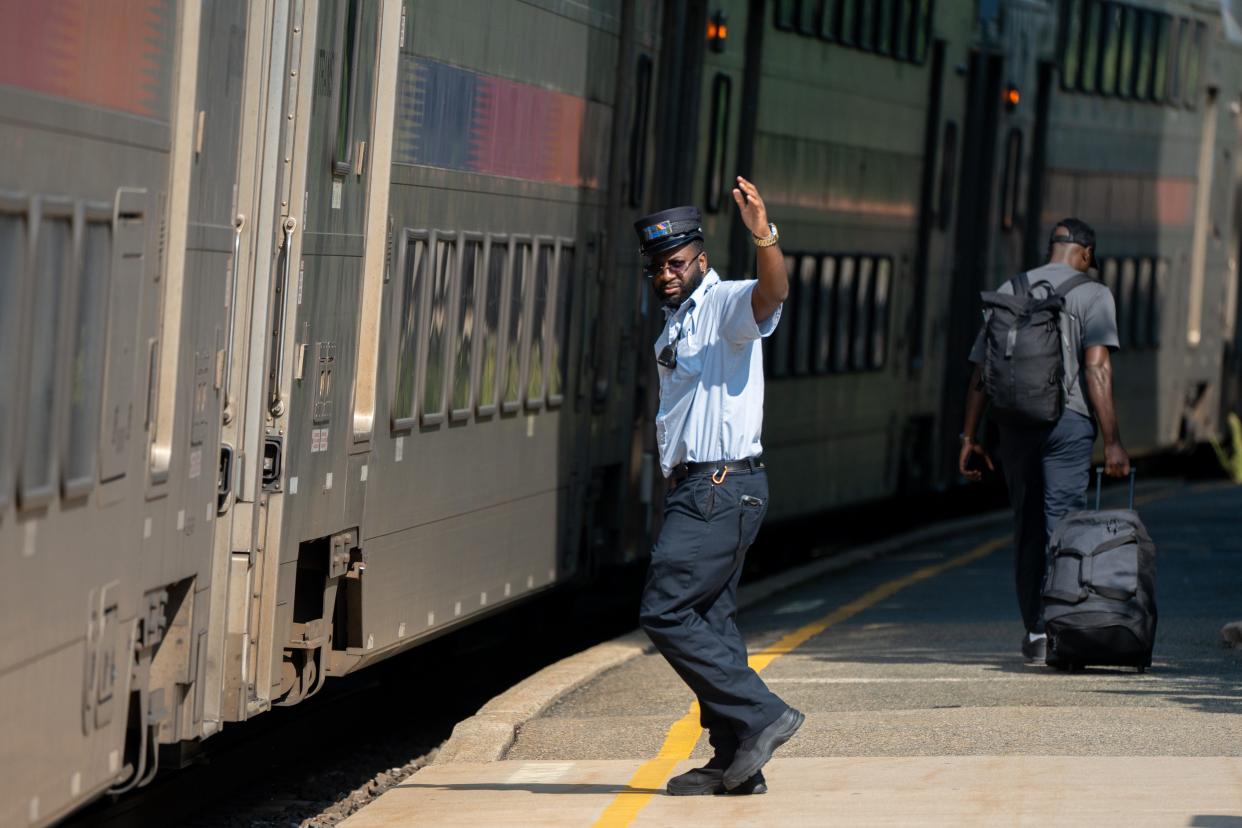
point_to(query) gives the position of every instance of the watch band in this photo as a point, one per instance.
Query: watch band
(770, 240)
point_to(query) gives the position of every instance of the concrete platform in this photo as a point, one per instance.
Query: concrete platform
(898, 791)
(919, 709)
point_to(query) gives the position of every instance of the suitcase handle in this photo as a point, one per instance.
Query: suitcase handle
(1099, 483)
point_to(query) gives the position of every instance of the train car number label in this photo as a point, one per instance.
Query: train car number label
(337, 187)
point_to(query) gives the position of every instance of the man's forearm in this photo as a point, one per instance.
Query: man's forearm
(773, 279)
(976, 401)
(1100, 392)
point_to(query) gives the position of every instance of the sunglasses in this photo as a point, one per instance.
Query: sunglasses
(675, 265)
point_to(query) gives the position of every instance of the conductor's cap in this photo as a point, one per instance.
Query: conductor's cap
(668, 229)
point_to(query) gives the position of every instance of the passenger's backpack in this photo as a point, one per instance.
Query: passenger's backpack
(1100, 589)
(1023, 369)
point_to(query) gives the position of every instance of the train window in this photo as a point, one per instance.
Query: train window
(922, 31)
(440, 290)
(1110, 55)
(1126, 302)
(865, 19)
(903, 26)
(1143, 57)
(1194, 57)
(414, 280)
(1160, 67)
(348, 32)
(847, 22)
(879, 313)
(1012, 179)
(806, 316)
(781, 339)
(558, 345)
(467, 325)
(829, 13)
(863, 295)
(1108, 275)
(809, 13)
(948, 175)
(1177, 34)
(845, 308)
(86, 363)
(722, 93)
(884, 27)
(53, 247)
(489, 326)
(786, 14)
(540, 294)
(1071, 42)
(823, 314)
(12, 269)
(519, 286)
(638, 132)
(1143, 303)
(1125, 64)
(1157, 296)
(1091, 46)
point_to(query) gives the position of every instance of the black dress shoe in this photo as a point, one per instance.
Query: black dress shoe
(753, 753)
(707, 781)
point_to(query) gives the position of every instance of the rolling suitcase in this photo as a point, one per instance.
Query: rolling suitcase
(1100, 589)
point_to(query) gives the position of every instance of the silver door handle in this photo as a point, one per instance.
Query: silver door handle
(238, 223)
(276, 402)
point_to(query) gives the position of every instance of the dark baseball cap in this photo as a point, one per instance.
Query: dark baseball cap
(668, 229)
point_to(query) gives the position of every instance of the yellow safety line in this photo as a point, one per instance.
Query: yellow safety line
(685, 732)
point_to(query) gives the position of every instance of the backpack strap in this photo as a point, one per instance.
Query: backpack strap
(1021, 284)
(1073, 282)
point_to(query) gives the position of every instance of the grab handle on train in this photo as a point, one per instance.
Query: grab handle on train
(238, 222)
(276, 401)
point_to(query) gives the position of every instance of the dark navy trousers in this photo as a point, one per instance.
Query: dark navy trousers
(689, 604)
(1047, 470)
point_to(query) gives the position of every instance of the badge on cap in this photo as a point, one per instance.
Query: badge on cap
(657, 231)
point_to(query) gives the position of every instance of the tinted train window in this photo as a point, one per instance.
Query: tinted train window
(1194, 57)
(440, 287)
(865, 20)
(12, 269)
(863, 294)
(415, 278)
(1143, 303)
(348, 33)
(808, 16)
(1157, 296)
(781, 340)
(467, 326)
(1071, 42)
(845, 308)
(519, 286)
(948, 175)
(1111, 53)
(538, 325)
(1160, 69)
(1143, 59)
(86, 365)
(1129, 40)
(722, 93)
(829, 14)
(879, 313)
(1011, 181)
(786, 14)
(922, 31)
(884, 27)
(1177, 37)
(638, 132)
(847, 22)
(1126, 303)
(53, 257)
(823, 314)
(489, 330)
(806, 316)
(1091, 39)
(903, 26)
(558, 345)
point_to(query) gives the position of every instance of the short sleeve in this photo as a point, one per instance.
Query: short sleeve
(1099, 321)
(737, 317)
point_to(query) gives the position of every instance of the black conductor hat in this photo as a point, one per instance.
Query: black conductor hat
(668, 229)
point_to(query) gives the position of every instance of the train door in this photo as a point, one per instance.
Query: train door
(972, 242)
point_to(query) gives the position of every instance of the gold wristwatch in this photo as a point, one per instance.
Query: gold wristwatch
(770, 240)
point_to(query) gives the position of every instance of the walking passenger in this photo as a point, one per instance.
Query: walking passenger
(707, 430)
(1046, 430)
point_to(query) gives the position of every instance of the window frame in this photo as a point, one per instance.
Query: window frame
(714, 189)
(1071, 42)
(843, 305)
(881, 314)
(16, 205)
(345, 166)
(1011, 180)
(561, 315)
(825, 289)
(492, 242)
(808, 288)
(522, 246)
(643, 74)
(409, 419)
(464, 239)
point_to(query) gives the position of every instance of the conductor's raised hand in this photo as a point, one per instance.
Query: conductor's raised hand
(750, 205)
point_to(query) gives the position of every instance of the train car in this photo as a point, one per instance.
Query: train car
(326, 334)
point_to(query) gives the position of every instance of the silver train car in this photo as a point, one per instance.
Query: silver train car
(320, 333)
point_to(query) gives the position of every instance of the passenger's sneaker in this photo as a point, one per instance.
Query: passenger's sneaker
(753, 753)
(1035, 653)
(707, 781)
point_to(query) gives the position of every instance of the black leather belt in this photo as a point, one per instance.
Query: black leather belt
(718, 470)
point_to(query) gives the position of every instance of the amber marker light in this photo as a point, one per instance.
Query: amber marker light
(717, 31)
(1012, 96)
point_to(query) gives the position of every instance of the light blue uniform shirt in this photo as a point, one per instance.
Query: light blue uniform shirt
(711, 403)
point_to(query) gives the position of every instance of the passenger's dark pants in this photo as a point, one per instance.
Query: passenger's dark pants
(689, 605)
(1047, 470)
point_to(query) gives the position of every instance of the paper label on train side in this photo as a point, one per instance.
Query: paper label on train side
(337, 187)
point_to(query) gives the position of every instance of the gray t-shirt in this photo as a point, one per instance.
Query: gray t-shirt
(1090, 319)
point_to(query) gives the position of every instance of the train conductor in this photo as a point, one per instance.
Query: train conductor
(707, 430)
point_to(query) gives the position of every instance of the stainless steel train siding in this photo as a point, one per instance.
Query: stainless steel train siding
(325, 336)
